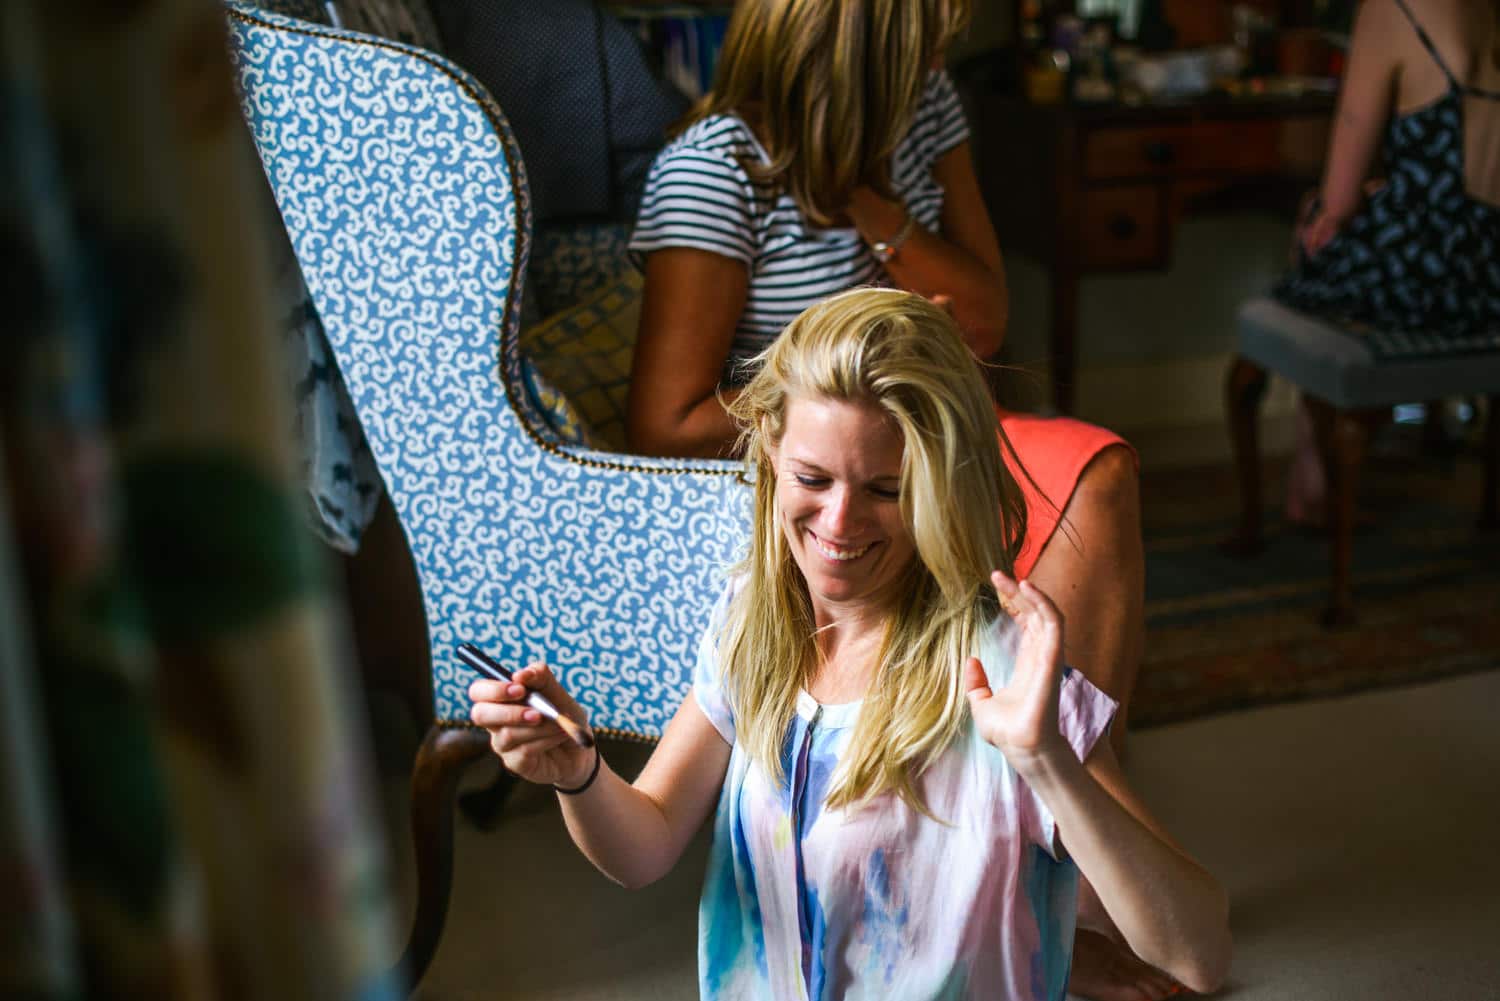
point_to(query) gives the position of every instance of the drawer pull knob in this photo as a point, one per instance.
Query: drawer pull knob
(1122, 227)
(1159, 153)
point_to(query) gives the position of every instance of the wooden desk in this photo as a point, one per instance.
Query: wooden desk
(1099, 189)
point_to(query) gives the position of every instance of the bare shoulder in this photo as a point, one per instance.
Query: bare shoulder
(1450, 24)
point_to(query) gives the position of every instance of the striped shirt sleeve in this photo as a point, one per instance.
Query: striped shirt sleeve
(942, 115)
(697, 198)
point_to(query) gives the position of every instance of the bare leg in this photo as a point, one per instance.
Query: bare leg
(1306, 480)
(1094, 569)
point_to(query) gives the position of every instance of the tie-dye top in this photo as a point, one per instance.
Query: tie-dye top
(803, 902)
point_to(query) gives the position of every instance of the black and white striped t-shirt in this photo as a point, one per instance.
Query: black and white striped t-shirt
(698, 195)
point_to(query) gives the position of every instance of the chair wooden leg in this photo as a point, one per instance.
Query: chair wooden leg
(444, 754)
(1343, 439)
(1244, 388)
(1489, 502)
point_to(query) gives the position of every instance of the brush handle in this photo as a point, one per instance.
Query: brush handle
(496, 671)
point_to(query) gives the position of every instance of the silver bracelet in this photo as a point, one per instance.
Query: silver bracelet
(884, 250)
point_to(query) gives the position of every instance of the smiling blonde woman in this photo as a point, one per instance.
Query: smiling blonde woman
(909, 782)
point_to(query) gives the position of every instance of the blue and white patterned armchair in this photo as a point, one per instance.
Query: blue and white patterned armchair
(405, 201)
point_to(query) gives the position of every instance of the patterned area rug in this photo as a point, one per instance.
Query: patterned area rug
(1224, 633)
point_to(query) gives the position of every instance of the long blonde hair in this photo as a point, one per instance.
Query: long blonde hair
(903, 354)
(830, 88)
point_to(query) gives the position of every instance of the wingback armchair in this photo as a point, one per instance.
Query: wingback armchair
(405, 201)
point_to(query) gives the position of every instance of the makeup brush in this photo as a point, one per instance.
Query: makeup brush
(493, 669)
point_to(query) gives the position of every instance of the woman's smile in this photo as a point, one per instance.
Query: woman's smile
(838, 488)
(839, 553)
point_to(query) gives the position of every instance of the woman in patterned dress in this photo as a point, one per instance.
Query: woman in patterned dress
(1411, 260)
(908, 779)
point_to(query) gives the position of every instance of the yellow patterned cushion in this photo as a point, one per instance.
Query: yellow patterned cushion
(585, 352)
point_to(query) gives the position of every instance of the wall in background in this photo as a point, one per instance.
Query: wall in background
(1153, 347)
(989, 27)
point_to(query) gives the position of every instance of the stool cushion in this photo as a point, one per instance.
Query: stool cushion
(1336, 365)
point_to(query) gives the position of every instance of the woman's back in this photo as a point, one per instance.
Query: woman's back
(1451, 53)
(1415, 261)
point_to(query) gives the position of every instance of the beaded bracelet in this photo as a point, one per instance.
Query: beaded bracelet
(586, 782)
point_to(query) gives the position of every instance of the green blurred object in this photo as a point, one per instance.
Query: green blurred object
(185, 806)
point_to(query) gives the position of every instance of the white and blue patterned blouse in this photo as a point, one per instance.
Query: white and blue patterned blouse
(800, 901)
(698, 195)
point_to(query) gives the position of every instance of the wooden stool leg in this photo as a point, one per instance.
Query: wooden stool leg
(1244, 388)
(1343, 439)
(444, 754)
(1489, 503)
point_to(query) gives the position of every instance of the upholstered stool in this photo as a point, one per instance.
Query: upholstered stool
(1349, 390)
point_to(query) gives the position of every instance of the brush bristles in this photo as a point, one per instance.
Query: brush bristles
(581, 736)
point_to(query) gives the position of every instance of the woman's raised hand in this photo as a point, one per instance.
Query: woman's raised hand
(1021, 718)
(531, 745)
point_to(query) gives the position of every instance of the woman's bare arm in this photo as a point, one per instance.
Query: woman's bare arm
(1365, 102)
(689, 310)
(1172, 913)
(961, 263)
(633, 833)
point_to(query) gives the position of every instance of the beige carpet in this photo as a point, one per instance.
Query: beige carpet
(1359, 838)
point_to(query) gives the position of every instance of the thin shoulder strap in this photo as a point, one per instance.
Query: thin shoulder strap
(1427, 44)
(1432, 51)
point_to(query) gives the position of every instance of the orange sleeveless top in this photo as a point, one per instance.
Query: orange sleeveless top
(1054, 452)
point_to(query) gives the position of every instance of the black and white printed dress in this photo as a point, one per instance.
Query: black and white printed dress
(1416, 270)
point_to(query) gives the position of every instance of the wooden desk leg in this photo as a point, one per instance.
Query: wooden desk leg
(1244, 388)
(1489, 504)
(1064, 346)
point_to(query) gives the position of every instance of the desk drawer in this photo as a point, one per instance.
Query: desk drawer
(1123, 228)
(1229, 146)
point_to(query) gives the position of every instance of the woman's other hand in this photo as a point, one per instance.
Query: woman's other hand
(1021, 718)
(1321, 226)
(1318, 231)
(960, 261)
(531, 745)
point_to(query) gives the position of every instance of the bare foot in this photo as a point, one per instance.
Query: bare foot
(1104, 970)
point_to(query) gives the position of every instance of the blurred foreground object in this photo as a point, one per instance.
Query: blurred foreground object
(184, 800)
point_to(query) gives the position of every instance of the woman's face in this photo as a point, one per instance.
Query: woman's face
(838, 473)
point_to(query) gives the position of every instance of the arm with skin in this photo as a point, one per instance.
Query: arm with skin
(1365, 102)
(689, 310)
(633, 833)
(1171, 912)
(961, 262)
